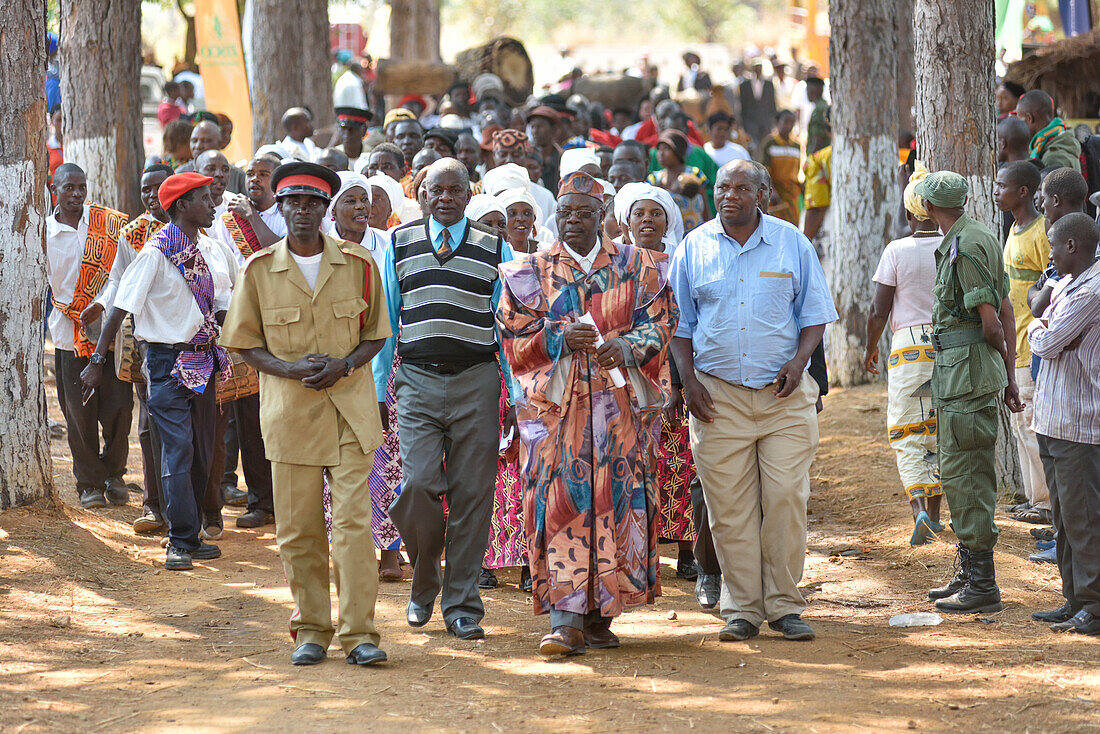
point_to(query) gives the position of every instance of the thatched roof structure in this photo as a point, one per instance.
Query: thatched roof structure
(1067, 70)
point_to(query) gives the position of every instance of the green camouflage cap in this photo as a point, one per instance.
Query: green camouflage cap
(943, 188)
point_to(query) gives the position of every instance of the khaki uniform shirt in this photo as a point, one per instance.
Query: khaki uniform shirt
(969, 272)
(274, 309)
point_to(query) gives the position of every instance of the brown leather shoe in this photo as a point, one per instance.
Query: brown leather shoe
(599, 637)
(563, 641)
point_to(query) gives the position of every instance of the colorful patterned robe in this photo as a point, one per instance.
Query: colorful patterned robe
(587, 453)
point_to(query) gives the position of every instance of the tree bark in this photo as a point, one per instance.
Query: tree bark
(25, 472)
(100, 101)
(903, 21)
(414, 29)
(956, 118)
(864, 177)
(289, 64)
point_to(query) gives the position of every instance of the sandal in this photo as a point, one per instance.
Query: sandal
(1033, 515)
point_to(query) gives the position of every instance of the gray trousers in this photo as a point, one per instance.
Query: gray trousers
(449, 433)
(1073, 478)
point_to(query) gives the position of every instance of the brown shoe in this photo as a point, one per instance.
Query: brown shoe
(563, 641)
(599, 636)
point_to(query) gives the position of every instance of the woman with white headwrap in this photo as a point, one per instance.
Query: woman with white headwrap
(488, 210)
(903, 294)
(348, 218)
(524, 220)
(401, 209)
(668, 236)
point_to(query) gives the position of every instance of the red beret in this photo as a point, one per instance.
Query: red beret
(179, 184)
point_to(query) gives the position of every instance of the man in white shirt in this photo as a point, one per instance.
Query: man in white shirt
(298, 124)
(178, 288)
(81, 242)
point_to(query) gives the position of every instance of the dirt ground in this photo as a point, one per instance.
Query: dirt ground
(95, 636)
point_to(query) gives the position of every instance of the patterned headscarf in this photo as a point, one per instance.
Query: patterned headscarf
(583, 184)
(509, 139)
(914, 204)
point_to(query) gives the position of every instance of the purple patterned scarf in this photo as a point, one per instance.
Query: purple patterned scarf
(193, 369)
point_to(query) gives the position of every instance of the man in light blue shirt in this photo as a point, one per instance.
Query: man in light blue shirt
(753, 307)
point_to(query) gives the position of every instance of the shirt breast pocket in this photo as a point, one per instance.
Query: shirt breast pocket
(773, 295)
(709, 292)
(283, 331)
(347, 313)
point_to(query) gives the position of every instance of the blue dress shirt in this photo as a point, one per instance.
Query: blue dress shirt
(744, 307)
(383, 361)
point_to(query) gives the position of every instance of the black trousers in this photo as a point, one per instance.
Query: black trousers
(254, 463)
(1073, 477)
(705, 556)
(110, 410)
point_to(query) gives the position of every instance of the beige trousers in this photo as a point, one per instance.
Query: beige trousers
(1031, 466)
(304, 547)
(754, 462)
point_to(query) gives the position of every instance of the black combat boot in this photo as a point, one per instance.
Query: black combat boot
(980, 595)
(962, 576)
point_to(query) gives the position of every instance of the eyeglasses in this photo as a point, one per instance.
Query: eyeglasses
(580, 213)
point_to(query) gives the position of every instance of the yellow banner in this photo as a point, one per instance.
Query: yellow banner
(221, 64)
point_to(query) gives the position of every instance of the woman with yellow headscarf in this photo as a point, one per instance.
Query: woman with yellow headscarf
(903, 298)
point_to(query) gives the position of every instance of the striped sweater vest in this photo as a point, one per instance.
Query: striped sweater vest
(447, 311)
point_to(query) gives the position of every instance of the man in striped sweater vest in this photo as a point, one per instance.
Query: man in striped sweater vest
(442, 287)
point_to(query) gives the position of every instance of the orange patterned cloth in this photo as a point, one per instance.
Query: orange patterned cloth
(242, 233)
(104, 227)
(138, 232)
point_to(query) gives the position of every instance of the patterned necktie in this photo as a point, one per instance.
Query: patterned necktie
(445, 248)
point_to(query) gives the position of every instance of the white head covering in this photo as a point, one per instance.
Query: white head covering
(508, 176)
(348, 181)
(608, 187)
(513, 196)
(392, 189)
(574, 158)
(632, 193)
(482, 204)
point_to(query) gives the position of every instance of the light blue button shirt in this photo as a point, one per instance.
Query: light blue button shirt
(744, 307)
(383, 361)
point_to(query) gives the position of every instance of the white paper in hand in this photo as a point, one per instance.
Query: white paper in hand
(616, 376)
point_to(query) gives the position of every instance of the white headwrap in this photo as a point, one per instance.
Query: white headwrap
(392, 189)
(608, 187)
(632, 193)
(348, 181)
(508, 176)
(574, 158)
(482, 204)
(514, 196)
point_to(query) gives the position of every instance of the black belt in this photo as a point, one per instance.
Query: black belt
(181, 347)
(446, 368)
(960, 338)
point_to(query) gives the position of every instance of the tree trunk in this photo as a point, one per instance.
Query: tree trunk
(25, 472)
(190, 41)
(414, 29)
(956, 118)
(289, 64)
(100, 100)
(903, 21)
(864, 177)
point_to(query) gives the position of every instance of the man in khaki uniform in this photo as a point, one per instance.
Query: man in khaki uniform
(308, 313)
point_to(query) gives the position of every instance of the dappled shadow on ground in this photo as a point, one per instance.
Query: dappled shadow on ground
(96, 636)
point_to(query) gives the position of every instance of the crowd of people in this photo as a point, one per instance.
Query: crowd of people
(553, 336)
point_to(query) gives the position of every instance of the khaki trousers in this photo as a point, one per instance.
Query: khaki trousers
(754, 461)
(304, 547)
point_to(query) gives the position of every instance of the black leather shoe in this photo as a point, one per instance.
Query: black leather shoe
(962, 576)
(206, 552)
(177, 559)
(465, 628)
(525, 582)
(707, 590)
(92, 499)
(234, 497)
(366, 654)
(793, 627)
(417, 615)
(980, 595)
(255, 519)
(116, 492)
(1062, 614)
(738, 630)
(1082, 623)
(487, 579)
(308, 653)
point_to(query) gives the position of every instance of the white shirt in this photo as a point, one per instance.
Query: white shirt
(725, 154)
(585, 261)
(154, 291)
(123, 258)
(273, 218)
(310, 265)
(306, 150)
(64, 253)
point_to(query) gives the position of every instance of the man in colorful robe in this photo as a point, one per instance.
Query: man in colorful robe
(590, 490)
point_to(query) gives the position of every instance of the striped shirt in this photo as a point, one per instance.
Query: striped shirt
(1067, 391)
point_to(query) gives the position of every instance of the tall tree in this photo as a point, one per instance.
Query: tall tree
(414, 29)
(288, 63)
(903, 21)
(864, 169)
(100, 55)
(956, 118)
(25, 473)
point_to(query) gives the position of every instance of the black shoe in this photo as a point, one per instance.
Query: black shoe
(366, 654)
(255, 519)
(1082, 623)
(116, 492)
(525, 582)
(707, 589)
(92, 499)
(962, 575)
(149, 522)
(416, 615)
(685, 566)
(793, 627)
(980, 595)
(1019, 507)
(738, 630)
(487, 579)
(1063, 613)
(465, 628)
(308, 653)
(206, 552)
(234, 497)
(177, 559)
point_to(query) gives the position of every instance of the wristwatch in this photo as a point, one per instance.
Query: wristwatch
(96, 358)
(351, 366)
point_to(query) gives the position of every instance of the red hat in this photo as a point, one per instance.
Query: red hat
(179, 184)
(413, 98)
(544, 111)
